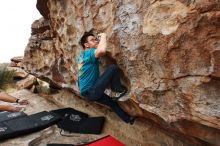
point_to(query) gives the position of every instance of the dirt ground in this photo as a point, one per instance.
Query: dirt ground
(113, 125)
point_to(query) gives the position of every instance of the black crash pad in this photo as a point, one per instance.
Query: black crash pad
(27, 124)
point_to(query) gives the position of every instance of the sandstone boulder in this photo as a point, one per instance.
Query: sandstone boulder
(27, 82)
(18, 72)
(168, 51)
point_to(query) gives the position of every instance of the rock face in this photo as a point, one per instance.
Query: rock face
(169, 52)
(21, 78)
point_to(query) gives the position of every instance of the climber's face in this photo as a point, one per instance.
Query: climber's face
(92, 42)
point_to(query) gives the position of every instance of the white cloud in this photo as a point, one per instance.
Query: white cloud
(15, 26)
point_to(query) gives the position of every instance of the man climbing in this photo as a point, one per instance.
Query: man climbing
(8, 98)
(92, 86)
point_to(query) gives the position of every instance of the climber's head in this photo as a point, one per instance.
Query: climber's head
(88, 41)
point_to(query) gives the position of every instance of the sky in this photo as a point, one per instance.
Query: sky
(15, 26)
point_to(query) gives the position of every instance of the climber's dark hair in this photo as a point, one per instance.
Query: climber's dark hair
(84, 38)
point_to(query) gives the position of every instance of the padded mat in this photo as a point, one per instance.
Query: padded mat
(4, 116)
(28, 124)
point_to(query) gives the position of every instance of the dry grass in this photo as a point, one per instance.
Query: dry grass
(6, 76)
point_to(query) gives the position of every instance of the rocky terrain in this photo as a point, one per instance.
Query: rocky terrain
(42, 98)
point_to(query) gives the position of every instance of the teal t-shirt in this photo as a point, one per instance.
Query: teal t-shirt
(88, 69)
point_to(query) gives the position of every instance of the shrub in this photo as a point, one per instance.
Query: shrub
(6, 76)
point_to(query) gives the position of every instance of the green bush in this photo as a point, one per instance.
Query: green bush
(43, 87)
(6, 76)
